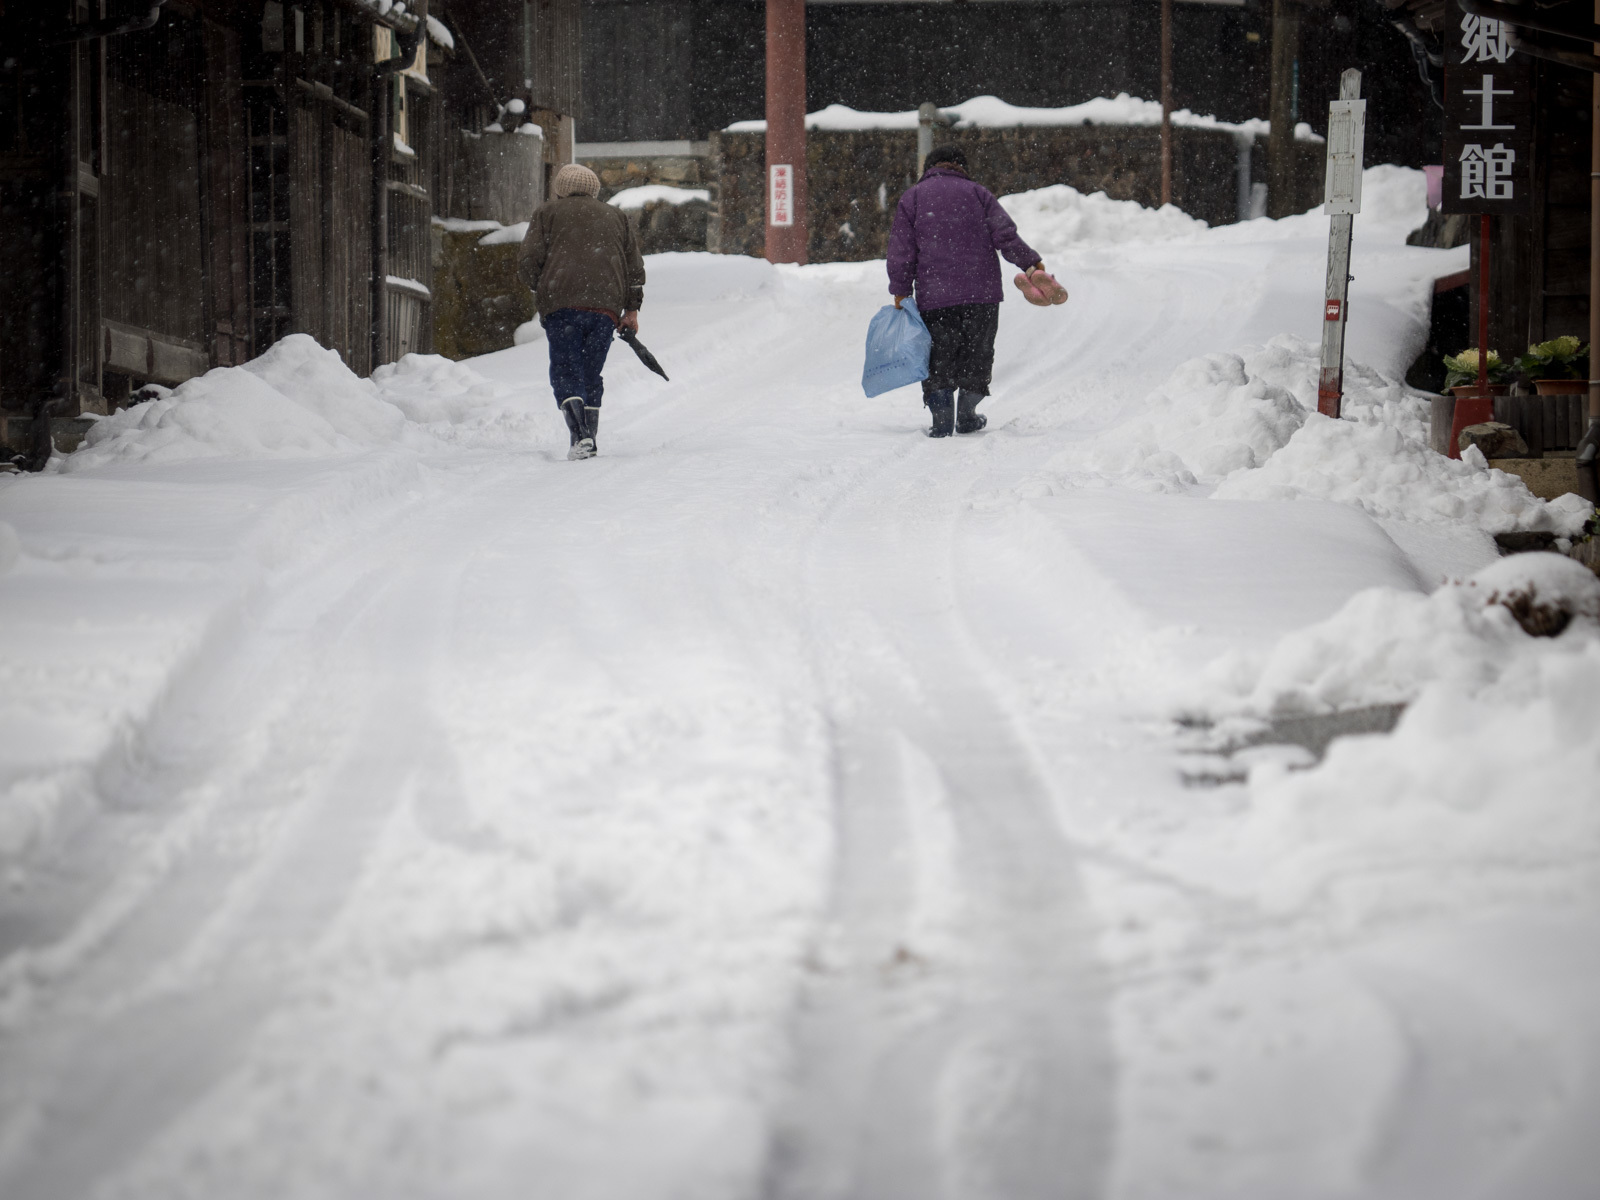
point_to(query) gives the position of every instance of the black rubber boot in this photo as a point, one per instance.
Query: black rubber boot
(577, 425)
(943, 407)
(968, 418)
(591, 426)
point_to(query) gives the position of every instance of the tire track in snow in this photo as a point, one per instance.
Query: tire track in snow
(134, 1036)
(953, 1040)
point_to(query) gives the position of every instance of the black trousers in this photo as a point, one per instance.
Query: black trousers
(963, 347)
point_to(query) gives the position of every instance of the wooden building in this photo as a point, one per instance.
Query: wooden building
(1538, 260)
(184, 182)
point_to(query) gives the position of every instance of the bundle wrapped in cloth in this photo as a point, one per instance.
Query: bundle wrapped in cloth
(1040, 287)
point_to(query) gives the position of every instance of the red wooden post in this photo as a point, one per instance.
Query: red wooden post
(1483, 303)
(786, 131)
(1166, 101)
(1477, 406)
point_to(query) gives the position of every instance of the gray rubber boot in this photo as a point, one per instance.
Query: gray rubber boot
(591, 426)
(943, 407)
(968, 418)
(577, 425)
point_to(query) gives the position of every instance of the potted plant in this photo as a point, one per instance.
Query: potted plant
(1559, 367)
(1462, 372)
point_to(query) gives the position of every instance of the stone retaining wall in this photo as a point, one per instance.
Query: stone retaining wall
(856, 177)
(478, 300)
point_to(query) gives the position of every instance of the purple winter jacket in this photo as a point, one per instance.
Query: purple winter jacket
(946, 231)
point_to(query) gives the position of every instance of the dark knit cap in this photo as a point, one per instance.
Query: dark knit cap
(950, 156)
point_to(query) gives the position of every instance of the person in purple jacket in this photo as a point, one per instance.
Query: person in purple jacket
(942, 248)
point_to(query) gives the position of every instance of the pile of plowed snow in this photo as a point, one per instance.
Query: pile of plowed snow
(298, 400)
(1061, 219)
(1247, 426)
(1480, 777)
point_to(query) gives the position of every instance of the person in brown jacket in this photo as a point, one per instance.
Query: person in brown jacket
(582, 261)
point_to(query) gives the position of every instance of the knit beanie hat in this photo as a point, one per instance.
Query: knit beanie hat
(574, 179)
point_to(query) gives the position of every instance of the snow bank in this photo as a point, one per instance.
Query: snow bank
(1378, 457)
(450, 402)
(1246, 424)
(1386, 646)
(1492, 766)
(1394, 202)
(658, 193)
(1061, 218)
(297, 400)
(430, 389)
(1473, 789)
(990, 112)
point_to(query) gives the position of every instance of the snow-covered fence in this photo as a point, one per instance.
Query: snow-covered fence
(859, 163)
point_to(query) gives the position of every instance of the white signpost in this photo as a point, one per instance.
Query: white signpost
(1347, 124)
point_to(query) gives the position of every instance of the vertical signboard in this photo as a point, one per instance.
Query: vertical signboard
(1488, 131)
(1347, 124)
(780, 198)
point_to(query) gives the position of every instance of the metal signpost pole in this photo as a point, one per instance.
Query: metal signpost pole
(786, 131)
(1347, 117)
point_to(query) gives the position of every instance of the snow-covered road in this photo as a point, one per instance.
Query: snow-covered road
(781, 804)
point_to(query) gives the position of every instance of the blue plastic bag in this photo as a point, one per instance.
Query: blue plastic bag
(897, 349)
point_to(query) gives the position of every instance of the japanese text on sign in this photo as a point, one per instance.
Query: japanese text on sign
(780, 207)
(1488, 118)
(1486, 174)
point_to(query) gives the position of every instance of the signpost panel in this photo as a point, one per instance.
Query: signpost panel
(1347, 118)
(1488, 119)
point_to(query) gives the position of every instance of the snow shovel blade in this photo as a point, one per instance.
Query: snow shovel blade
(637, 347)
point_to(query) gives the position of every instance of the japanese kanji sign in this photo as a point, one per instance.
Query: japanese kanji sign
(1488, 133)
(780, 209)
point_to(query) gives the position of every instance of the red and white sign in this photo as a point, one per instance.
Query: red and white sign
(1332, 313)
(780, 200)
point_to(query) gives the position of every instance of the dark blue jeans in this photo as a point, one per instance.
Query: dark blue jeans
(579, 342)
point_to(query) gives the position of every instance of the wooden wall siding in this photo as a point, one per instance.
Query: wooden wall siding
(638, 62)
(557, 54)
(329, 227)
(267, 139)
(410, 321)
(152, 246)
(227, 158)
(1560, 291)
(1539, 265)
(31, 104)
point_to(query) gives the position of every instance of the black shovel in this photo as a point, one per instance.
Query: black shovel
(637, 347)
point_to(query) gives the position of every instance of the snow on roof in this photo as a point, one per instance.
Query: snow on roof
(990, 112)
(658, 193)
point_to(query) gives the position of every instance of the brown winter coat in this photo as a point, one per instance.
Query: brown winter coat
(582, 253)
